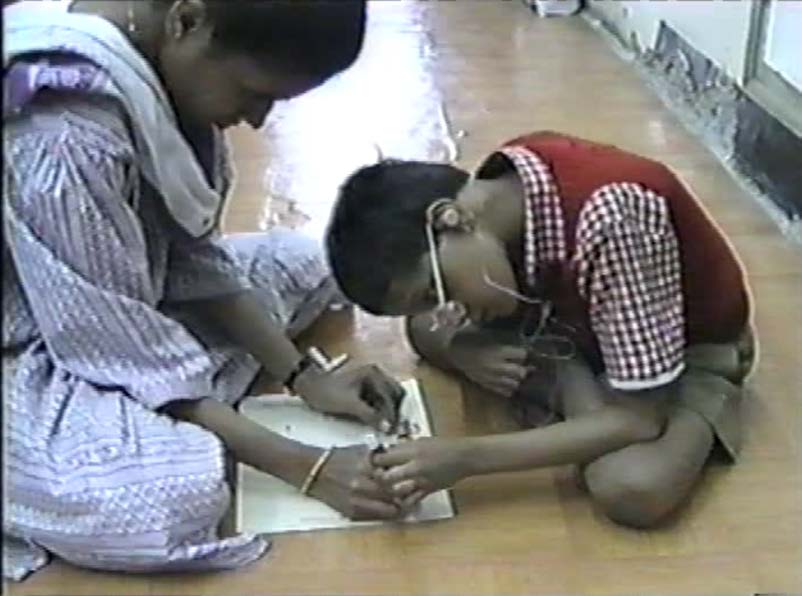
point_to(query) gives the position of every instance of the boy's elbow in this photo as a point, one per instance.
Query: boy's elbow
(421, 338)
(643, 416)
(413, 326)
(640, 427)
(650, 429)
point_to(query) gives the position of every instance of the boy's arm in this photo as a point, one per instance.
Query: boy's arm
(487, 357)
(592, 430)
(576, 441)
(431, 344)
(343, 482)
(434, 464)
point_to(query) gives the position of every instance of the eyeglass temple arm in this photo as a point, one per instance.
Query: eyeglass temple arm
(435, 262)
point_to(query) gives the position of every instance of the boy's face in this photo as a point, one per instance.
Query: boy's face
(470, 263)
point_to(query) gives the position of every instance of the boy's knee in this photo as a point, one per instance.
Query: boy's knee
(633, 496)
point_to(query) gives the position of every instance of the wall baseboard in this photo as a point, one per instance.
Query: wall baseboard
(763, 154)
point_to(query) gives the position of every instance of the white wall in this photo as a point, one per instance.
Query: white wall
(783, 51)
(717, 28)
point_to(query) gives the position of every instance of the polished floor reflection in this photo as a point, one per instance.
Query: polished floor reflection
(448, 81)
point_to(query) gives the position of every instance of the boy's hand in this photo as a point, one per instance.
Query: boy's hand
(346, 484)
(413, 469)
(498, 368)
(365, 393)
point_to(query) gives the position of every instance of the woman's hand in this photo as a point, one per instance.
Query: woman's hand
(497, 367)
(365, 393)
(413, 469)
(346, 484)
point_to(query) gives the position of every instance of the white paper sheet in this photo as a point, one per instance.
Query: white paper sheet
(269, 505)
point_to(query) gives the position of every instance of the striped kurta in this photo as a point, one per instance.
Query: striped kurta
(99, 332)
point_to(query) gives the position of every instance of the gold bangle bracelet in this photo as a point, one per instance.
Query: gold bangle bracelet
(315, 471)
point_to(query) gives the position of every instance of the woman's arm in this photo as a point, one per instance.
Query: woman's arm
(243, 319)
(80, 250)
(344, 482)
(365, 393)
(247, 441)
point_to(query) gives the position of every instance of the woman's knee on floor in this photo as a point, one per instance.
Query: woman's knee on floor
(281, 256)
(289, 273)
(139, 531)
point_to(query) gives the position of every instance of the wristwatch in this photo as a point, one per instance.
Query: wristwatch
(317, 358)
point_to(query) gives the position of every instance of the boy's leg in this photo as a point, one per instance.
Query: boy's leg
(638, 486)
(641, 484)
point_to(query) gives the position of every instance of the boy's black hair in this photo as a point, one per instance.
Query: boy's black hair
(377, 229)
(316, 38)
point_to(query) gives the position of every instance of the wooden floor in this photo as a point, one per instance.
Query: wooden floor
(498, 71)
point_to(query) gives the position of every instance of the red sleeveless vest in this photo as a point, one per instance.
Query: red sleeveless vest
(716, 298)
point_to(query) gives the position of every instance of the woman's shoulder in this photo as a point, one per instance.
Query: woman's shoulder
(66, 103)
(65, 138)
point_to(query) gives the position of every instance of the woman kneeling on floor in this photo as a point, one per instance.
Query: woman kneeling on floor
(131, 330)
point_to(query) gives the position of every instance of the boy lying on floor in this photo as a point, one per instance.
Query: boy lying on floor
(577, 277)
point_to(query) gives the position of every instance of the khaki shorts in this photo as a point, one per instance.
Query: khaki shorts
(712, 386)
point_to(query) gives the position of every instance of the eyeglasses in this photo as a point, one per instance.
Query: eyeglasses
(538, 328)
(447, 313)
(541, 335)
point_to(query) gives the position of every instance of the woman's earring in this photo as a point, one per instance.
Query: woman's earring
(131, 18)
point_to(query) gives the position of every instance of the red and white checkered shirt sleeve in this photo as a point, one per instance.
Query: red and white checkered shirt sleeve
(628, 264)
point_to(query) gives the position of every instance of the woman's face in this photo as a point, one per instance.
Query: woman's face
(210, 85)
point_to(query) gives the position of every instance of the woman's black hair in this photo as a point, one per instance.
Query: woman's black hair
(317, 38)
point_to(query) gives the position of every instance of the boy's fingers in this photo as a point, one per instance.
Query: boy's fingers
(371, 509)
(516, 372)
(413, 499)
(404, 488)
(396, 474)
(505, 389)
(503, 385)
(514, 354)
(367, 487)
(392, 457)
